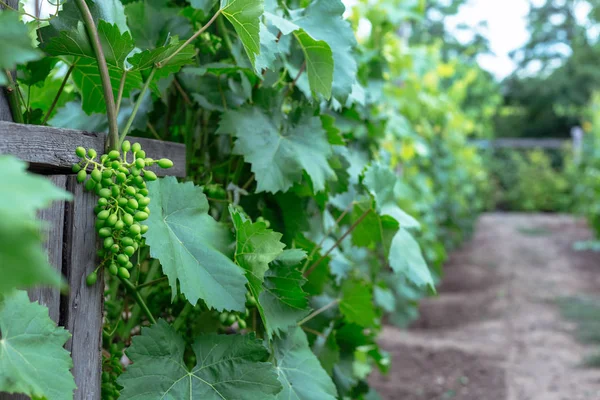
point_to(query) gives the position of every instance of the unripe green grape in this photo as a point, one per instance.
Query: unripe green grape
(246, 313)
(138, 181)
(97, 209)
(149, 175)
(242, 324)
(123, 273)
(129, 210)
(231, 319)
(144, 201)
(223, 317)
(105, 232)
(135, 171)
(91, 279)
(126, 146)
(115, 248)
(135, 229)
(129, 265)
(128, 219)
(122, 201)
(102, 202)
(105, 193)
(140, 163)
(119, 225)
(114, 154)
(122, 259)
(100, 253)
(149, 161)
(130, 190)
(76, 168)
(107, 182)
(133, 203)
(165, 163)
(140, 154)
(146, 210)
(108, 242)
(113, 269)
(144, 229)
(136, 245)
(90, 184)
(103, 214)
(107, 173)
(99, 223)
(80, 151)
(136, 147)
(115, 190)
(129, 250)
(140, 216)
(112, 220)
(121, 177)
(92, 153)
(123, 170)
(251, 301)
(144, 192)
(81, 175)
(127, 241)
(115, 164)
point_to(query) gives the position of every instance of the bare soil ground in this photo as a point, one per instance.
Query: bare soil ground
(495, 332)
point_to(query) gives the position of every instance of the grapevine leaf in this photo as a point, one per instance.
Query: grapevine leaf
(23, 261)
(152, 22)
(15, 43)
(317, 55)
(268, 50)
(384, 186)
(150, 58)
(357, 304)
(300, 372)
(319, 63)
(323, 21)
(204, 5)
(277, 152)
(245, 15)
(327, 350)
(87, 79)
(283, 302)
(384, 298)
(111, 11)
(192, 246)
(407, 259)
(116, 45)
(229, 367)
(32, 358)
(292, 257)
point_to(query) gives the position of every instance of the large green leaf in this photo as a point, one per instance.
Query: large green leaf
(32, 358)
(23, 261)
(278, 151)
(229, 367)
(323, 21)
(192, 246)
(152, 22)
(245, 16)
(15, 44)
(384, 185)
(278, 288)
(357, 303)
(150, 58)
(300, 372)
(407, 259)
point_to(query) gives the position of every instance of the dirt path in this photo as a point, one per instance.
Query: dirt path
(495, 333)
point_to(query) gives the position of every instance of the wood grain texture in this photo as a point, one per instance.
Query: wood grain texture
(81, 309)
(54, 218)
(52, 150)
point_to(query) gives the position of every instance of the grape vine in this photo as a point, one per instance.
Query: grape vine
(327, 177)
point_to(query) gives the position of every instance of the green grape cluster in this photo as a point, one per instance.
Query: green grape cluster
(227, 318)
(111, 370)
(122, 204)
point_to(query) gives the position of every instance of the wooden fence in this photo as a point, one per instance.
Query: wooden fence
(71, 237)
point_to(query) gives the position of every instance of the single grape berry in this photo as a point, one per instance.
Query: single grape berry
(81, 175)
(91, 279)
(165, 163)
(149, 175)
(80, 151)
(136, 147)
(124, 273)
(92, 153)
(113, 155)
(126, 146)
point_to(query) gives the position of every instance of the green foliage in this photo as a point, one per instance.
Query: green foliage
(32, 358)
(320, 194)
(23, 262)
(16, 46)
(228, 367)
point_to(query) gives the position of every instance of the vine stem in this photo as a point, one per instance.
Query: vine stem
(136, 107)
(121, 88)
(293, 84)
(60, 90)
(92, 31)
(339, 241)
(12, 92)
(319, 311)
(190, 40)
(138, 298)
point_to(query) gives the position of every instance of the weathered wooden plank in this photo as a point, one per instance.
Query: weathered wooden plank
(81, 309)
(54, 218)
(521, 143)
(52, 150)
